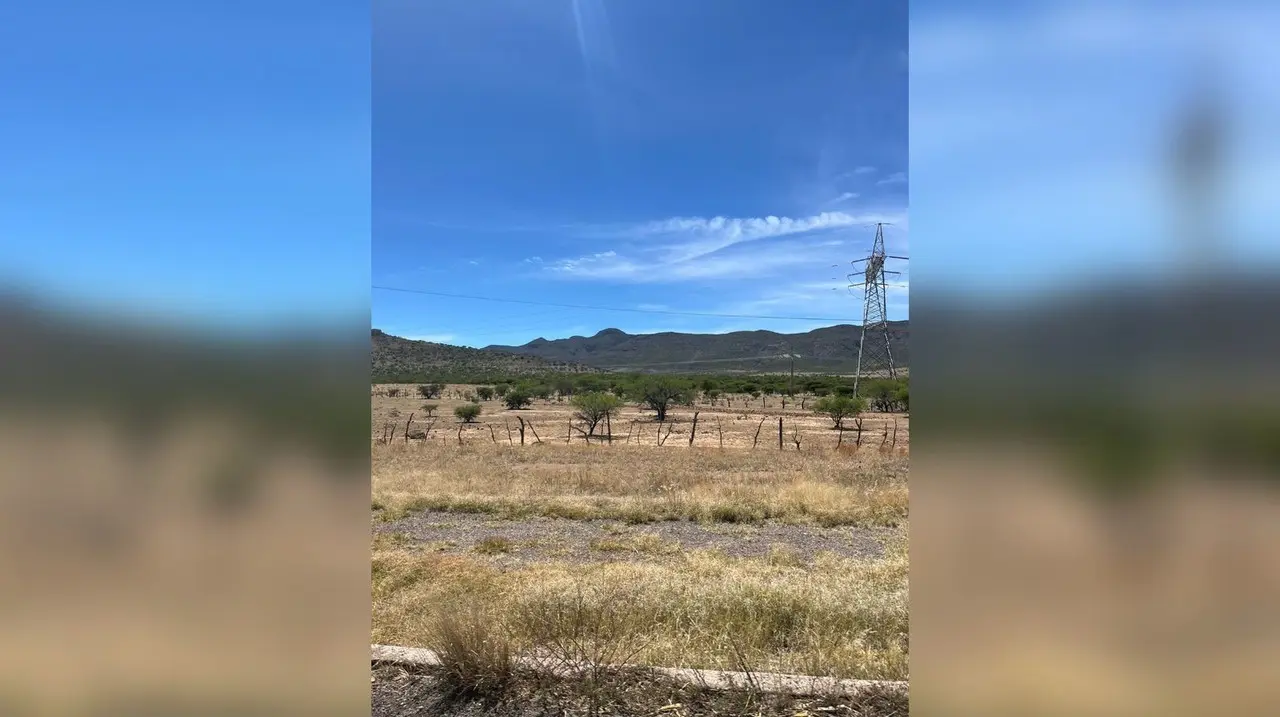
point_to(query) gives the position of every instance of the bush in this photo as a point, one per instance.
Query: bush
(430, 408)
(517, 399)
(501, 389)
(469, 412)
(430, 390)
(595, 407)
(476, 657)
(838, 408)
(485, 393)
(659, 394)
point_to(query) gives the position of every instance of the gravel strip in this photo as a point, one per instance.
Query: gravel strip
(540, 539)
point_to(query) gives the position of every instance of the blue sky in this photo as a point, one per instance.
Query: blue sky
(718, 156)
(199, 161)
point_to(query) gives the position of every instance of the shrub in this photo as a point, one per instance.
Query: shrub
(430, 408)
(430, 390)
(469, 412)
(659, 394)
(838, 408)
(501, 389)
(485, 393)
(595, 407)
(393, 392)
(517, 400)
(476, 657)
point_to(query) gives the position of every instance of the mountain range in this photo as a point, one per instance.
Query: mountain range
(832, 349)
(399, 359)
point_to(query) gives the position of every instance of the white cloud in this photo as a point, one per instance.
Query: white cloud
(695, 237)
(691, 248)
(864, 170)
(846, 196)
(895, 178)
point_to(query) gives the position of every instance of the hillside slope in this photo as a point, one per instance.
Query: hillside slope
(399, 359)
(832, 349)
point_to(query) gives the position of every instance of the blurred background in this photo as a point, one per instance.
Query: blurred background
(183, 341)
(1095, 516)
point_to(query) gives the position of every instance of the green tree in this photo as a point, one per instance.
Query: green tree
(564, 386)
(517, 399)
(501, 389)
(903, 397)
(430, 390)
(485, 393)
(838, 408)
(430, 408)
(594, 407)
(468, 412)
(659, 394)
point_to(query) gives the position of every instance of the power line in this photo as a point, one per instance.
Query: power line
(612, 308)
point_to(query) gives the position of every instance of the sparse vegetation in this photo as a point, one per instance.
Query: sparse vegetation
(468, 412)
(430, 409)
(485, 393)
(637, 590)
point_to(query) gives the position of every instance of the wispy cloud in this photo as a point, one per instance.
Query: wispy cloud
(684, 248)
(844, 197)
(864, 170)
(895, 178)
(694, 237)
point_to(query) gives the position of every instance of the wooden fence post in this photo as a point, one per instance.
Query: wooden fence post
(406, 427)
(694, 430)
(507, 423)
(756, 440)
(720, 428)
(779, 432)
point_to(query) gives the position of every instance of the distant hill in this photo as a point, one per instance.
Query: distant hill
(396, 359)
(833, 349)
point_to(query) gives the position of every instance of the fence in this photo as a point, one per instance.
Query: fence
(524, 432)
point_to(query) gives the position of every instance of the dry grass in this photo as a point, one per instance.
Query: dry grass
(835, 616)
(844, 618)
(639, 484)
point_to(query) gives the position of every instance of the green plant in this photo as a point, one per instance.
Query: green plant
(659, 394)
(430, 390)
(517, 399)
(838, 408)
(485, 393)
(430, 409)
(592, 408)
(469, 412)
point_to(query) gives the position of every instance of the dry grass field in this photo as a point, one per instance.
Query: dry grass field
(713, 554)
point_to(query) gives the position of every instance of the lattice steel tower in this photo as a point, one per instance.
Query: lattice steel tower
(875, 355)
